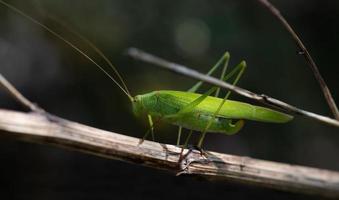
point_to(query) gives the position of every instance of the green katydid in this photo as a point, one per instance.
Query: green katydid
(187, 109)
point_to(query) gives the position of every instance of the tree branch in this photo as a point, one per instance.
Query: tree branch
(48, 129)
(180, 69)
(307, 56)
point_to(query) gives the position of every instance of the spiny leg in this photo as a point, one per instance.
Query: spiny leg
(240, 68)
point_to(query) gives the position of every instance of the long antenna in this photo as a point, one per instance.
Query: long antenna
(95, 48)
(73, 46)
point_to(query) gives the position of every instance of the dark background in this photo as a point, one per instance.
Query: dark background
(190, 32)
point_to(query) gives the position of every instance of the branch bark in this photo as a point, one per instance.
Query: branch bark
(49, 129)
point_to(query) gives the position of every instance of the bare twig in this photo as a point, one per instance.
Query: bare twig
(7, 86)
(307, 56)
(141, 55)
(63, 133)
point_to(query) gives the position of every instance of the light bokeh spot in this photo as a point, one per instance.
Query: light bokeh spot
(192, 37)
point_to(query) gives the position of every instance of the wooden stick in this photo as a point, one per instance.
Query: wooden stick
(48, 129)
(303, 51)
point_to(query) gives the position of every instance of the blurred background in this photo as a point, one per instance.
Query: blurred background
(190, 32)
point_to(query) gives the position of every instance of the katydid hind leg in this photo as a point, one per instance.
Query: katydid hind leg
(238, 71)
(224, 59)
(223, 72)
(188, 108)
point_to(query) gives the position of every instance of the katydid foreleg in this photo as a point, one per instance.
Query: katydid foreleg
(151, 124)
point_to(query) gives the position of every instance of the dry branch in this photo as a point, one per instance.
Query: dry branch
(48, 129)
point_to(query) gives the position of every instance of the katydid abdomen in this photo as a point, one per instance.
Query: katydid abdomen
(229, 120)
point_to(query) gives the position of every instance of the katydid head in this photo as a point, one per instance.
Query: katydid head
(140, 104)
(144, 104)
(137, 106)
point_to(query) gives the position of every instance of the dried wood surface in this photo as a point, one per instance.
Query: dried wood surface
(48, 129)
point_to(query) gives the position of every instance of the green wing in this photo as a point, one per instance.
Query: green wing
(231, 109)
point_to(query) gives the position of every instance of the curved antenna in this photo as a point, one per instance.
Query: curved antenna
(95, 48)
(69, 43)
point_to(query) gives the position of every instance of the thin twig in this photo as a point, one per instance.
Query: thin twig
(303, 51)
(180, 69)
(249, 171)
(17, 95)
